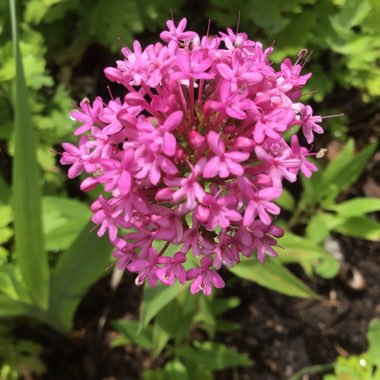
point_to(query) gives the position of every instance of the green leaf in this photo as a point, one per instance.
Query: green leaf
(360, 227)
(11, 283)
(78, 268)
(312, 192)
(205, 317)
(338, 164)
(356, 207)
(213, 356)
(175, 370)
(273, 275)
(165, 326)
(31, 255)
(219, 306)
(129, 329)
(344, 171)
(308, 254)
(286, 201)
(267, 15)
(6, 215)
(320, 226)
(373, 337)
(63, 221)
(155, 299)
(352, 14)
(13, 308)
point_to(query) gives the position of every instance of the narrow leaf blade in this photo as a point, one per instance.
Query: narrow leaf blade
(31, 255)
(274, 276)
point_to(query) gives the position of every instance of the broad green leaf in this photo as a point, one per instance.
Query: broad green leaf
(155, 299)
(273, 275)
(357, 207)
(78, 268)
(360, 227)
(308, 254)
(63, 220)
(213, 356)
(129, 331)
(31, 255)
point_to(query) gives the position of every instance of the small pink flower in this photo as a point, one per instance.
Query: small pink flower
(223, 164)
(172, 269)
(146, 268)
(204, 278)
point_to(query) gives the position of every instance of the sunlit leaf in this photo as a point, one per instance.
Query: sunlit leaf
(273, 275)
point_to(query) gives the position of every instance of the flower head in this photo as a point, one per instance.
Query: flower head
(193, 157)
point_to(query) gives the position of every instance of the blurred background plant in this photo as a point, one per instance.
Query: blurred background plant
(48, 258)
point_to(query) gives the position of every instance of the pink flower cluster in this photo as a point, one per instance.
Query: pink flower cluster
(193, 157)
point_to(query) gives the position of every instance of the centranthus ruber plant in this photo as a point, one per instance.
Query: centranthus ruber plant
(193, 156)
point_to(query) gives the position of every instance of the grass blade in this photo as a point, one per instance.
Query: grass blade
(31, 256)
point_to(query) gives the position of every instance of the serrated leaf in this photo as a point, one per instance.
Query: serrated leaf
(77, 269)
(267, 15)
(273, 275)
(31, 255)
(351, 14)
